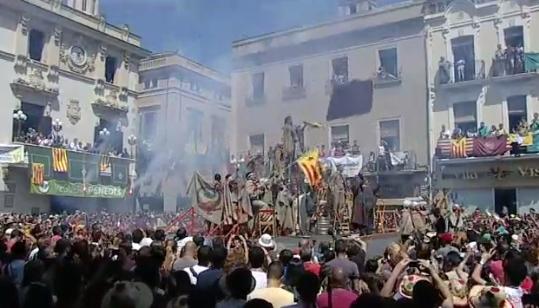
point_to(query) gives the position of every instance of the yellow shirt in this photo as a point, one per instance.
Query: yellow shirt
(278, 297)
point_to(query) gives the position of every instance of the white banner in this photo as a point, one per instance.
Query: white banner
(351, 164)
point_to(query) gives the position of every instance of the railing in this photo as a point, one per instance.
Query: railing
(485, 146)
(436, 7)
(449, 73)
(292, 93)
(335, 82)
(383, 78)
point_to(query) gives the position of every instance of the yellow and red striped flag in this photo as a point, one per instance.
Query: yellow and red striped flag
(310, 165)
(38, 173)
(59, 160)
(105, 166)
(458, 148)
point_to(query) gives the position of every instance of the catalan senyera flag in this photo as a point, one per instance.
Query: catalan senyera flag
(38, 173)
(310, 165)
(59, 160)
(105, 166)
(458, 148)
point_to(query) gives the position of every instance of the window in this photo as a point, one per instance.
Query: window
(148, 123)
(516, 107)
(463, 58)
(217, 132)
(36, 43)
(465, 116)
(390, 134)
(296, 76)
(110, 69)
(258, 85)
(352, 8)
(35, 120)
(514, 37)
(194, 127)
(256, 144)
(154, 83)
(84, 5)
(388, 62)
(340, 70)
(339, 134)
(113, 141)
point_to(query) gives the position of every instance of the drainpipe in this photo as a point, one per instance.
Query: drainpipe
(430, 156)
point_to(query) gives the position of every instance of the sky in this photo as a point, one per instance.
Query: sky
(204, 30)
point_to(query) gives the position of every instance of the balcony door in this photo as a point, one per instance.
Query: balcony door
(463, 58)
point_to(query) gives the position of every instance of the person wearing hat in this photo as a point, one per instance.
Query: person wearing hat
(254, 191)
(455, 221)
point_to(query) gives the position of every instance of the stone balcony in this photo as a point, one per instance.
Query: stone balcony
(34, 77)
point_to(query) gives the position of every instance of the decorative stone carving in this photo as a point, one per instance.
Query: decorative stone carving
(99, 87)
(123, 94)
(102, 23)
(102, 52)
(21, 63)
(125, 32)
(57, 35)
(73, 111)
(126, 60)
(24, 24)
(77, 58)
(475, 23)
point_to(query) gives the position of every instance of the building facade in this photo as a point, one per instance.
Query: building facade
(362, 76)
(68, 77)
(184, 115)
(477, 53)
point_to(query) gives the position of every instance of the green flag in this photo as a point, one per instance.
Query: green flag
(531, 62)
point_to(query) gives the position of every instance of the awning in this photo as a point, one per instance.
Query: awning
(11, 154)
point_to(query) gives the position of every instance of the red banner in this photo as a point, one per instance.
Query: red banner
(490, 146)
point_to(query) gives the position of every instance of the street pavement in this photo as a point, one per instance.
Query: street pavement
(376, 244)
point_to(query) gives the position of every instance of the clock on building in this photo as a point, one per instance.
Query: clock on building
(77, 55)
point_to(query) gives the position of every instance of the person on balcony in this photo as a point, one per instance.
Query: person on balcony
(534, 129)
(500, 131)
(443, 70)
(461, 65)
(483, 130)
(445, 133)
(519, 60)
(499, 61)
(355, 148)
(510, 60)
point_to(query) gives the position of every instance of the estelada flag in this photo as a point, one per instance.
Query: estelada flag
(458, 148)
(310, 165)
(105, 166)
(59, 160)
(38, 173)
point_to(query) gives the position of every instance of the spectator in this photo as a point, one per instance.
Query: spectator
(187, 257)
(341, 297)
(307, 287)
(207, 280)
(256, 260)
(274, 293)
(239, 283)
(308, 264)
(203, 257)
(341, 261)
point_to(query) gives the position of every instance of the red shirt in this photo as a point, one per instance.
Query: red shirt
(312, 267)
(341, 298)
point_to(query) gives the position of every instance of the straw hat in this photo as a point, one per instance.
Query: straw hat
(488, 297)
(406, 286)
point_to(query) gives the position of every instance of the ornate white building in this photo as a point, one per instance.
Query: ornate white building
(476, 54)
(184, 121)
(62, 63)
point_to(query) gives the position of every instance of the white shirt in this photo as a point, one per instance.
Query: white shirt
(197, 269)
(261, 278)
(184, 241)
(33, 254)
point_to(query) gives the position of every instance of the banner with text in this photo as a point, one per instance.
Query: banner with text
(70, 189)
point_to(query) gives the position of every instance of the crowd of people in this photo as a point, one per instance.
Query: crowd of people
(56, 140)
(522, 129)
(130, 260)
